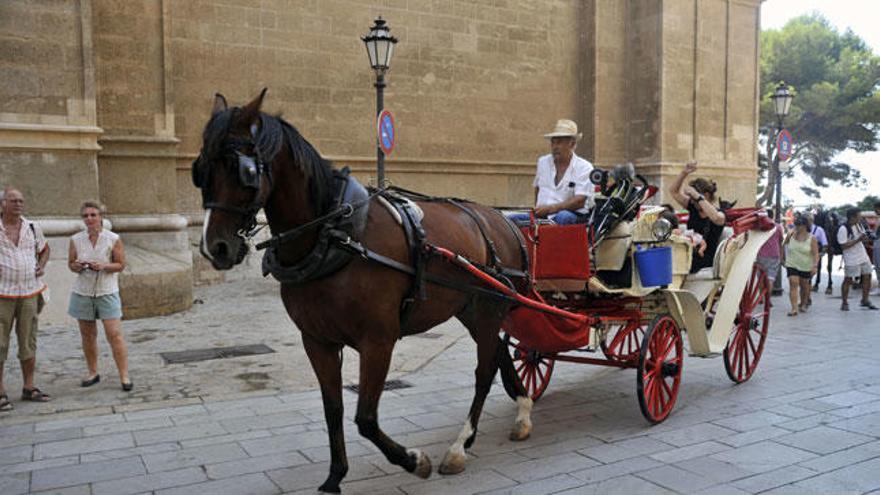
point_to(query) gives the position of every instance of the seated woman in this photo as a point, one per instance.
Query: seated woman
(703, 217)
(696, 240)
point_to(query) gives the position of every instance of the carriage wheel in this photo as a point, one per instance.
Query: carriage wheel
(623, 340)
(532, 367)
(659, 372)
(746, 343)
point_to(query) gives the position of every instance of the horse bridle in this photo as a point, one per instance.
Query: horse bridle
(251, 169)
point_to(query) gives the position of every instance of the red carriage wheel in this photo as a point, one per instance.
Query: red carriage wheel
(623, 340)
(746, 343)
(659, 372)
(532, 367)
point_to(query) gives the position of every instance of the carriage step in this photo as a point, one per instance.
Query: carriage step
(389, 385)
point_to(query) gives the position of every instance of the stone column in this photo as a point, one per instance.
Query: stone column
(48, 123)
(137, 162)
(675, 81)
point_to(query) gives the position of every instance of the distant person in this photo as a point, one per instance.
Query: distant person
(822, 239)
(830, 223)
(23, 257)
(877, 240)
(801, 258)
(704, 217)
(96, 255)
(770, 254)
(563, 191)
(856, 262)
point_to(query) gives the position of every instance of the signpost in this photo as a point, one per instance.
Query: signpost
(784, 144)
(386, 132)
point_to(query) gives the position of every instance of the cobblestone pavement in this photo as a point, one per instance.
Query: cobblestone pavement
(808, 421)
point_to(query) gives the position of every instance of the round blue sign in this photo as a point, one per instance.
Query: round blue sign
(784, 145)
(386, 132)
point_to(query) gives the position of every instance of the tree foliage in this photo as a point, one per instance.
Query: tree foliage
(835, 78)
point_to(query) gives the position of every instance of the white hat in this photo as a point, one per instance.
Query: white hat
(565, 128)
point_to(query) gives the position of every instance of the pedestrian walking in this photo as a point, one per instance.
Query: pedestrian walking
(877, 243)
(770, 254)
(856, 263)
(820, 234)
(23, 257)
(801, 262)
(96, 255)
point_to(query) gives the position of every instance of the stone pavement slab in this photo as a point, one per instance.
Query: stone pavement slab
(807, 422)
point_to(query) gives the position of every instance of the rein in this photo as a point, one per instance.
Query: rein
(344, 210)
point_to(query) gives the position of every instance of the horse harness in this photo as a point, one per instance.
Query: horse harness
(341, 229)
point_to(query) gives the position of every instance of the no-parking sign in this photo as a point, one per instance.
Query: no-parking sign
(385, 131)
(784, 144)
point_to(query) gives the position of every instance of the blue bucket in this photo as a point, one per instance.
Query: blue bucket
(655, 266)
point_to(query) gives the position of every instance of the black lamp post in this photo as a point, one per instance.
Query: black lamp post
(781, 106)
(380, 47)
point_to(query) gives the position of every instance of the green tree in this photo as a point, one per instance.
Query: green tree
(835, 77)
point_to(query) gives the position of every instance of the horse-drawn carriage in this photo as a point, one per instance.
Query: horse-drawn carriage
(363, 268)
(623, 288)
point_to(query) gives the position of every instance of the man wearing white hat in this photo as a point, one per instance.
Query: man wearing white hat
(563, 191)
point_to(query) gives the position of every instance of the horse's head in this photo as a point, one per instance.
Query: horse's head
(234, 174)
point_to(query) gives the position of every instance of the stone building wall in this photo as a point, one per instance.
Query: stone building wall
(108, 98)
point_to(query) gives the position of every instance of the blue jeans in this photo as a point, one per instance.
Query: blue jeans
(564, 217)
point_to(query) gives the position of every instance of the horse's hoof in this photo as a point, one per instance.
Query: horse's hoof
(423, 463)
(521, 431)
(453, 463)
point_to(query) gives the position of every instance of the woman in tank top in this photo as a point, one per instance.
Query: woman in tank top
(96, 255)
(801, 256)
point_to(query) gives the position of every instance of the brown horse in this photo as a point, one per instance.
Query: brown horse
(251, 160)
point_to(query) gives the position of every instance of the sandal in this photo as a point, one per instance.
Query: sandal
(5, 405)
(792, 313)
(844, 306)
(35, 395)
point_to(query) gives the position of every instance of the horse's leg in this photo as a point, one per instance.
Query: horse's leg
(522, 427)
(487, 366)
(374, 361)
(327, 362)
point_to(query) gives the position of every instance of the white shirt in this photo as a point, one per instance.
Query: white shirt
(89, 282)
(856, 254)
(575, 182)
(18, 264)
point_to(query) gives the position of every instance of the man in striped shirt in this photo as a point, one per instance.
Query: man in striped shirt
(23, 257)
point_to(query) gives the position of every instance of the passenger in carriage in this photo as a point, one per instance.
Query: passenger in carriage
(696, 240)
(563, 191)
(703, 216)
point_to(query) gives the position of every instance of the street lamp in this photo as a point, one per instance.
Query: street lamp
(782, 98)
(380, 47)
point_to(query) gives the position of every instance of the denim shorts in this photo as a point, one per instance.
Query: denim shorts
(106, 307)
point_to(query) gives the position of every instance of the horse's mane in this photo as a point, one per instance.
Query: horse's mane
(274, 133)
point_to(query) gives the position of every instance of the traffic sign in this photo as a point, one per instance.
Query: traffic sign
(784, 144)
(386, 131)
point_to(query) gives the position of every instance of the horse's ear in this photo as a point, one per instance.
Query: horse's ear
(251, 112)
(219, 104)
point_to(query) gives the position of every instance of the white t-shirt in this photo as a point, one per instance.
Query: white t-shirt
(856, 254)
(575, 182)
